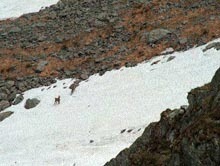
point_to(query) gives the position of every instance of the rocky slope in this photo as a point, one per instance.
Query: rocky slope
(186, 136)
(77, 38)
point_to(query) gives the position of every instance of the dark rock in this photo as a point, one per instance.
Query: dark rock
(156, 62)
(122, 131)
(215, 45)
(216, 80)
(31, 103)
(18, 99)
(5, 115)
(11, 96)
(170, 58)
(130, 130)
(74, 85)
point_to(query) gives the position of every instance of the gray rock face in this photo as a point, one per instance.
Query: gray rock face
(5, 115)
(4, 104)
(40, 67)
(216, 80)
(31, 103)
(18, 99)
(157, 35)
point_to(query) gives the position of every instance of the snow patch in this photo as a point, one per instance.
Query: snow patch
(15, 8)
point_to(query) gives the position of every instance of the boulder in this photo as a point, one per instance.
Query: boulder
(11, 96)
(84, 76)
(10, 84)
(18, 99)
(31, 103)
(21, 86)
(3, 96)
(215, 45)
(40, 67)
(5, 115)
(4, 104)
(157, 35)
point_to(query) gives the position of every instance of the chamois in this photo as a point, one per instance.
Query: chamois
(57, 100)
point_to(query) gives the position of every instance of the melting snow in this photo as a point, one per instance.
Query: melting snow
(85, 129)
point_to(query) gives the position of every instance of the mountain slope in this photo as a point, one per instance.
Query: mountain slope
(74, 36)
(79, 38)
(105, 113)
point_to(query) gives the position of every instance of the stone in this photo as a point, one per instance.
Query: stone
(84, 76)
(157, 35)
(31, 103)
(215, 45)
(15, 30)
(74, 85)
(18, 100)
(5, 115)
(10, 84)
(22, 86)
(183, 40)
(40, 67)
(11, 96)
(4, 104)
(3, 96)
(170, 58)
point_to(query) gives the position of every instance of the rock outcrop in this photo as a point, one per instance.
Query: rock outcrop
(5, 115)
(4, 104)
(186, 136)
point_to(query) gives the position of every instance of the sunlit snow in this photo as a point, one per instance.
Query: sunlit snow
(99, 109)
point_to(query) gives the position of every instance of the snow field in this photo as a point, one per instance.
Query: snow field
(85, 129)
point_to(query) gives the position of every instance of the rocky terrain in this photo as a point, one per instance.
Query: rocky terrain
(186, 136)
(78, 38)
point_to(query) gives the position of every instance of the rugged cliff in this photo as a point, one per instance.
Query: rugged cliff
(186, 136)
